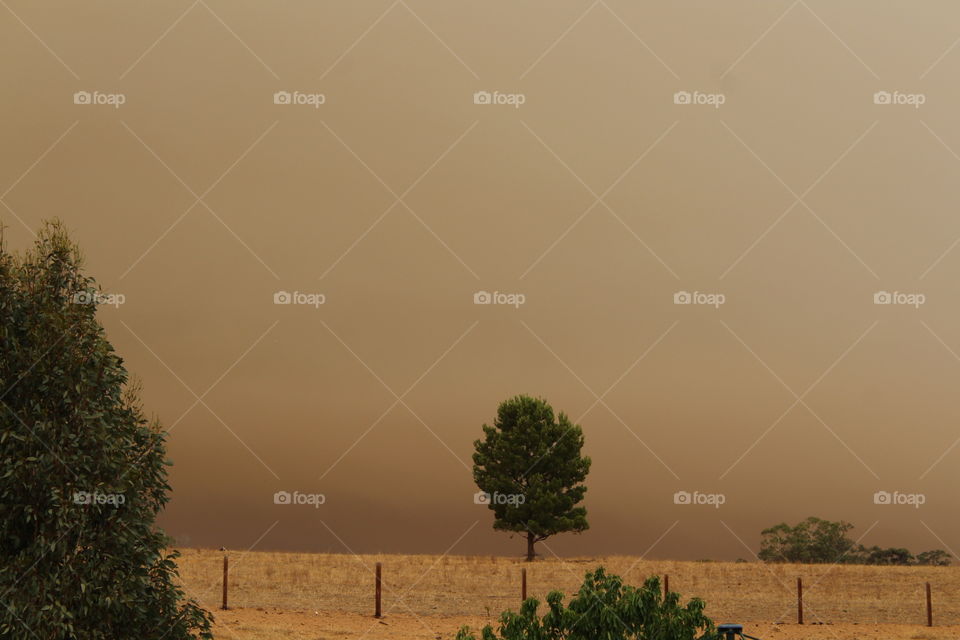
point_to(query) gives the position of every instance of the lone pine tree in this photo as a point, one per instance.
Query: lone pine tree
(530, 467)
(83, 471)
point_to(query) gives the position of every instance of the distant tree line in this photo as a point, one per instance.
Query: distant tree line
(817, 541)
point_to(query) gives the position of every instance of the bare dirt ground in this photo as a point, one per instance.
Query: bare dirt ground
(330, 596)
(253, 624)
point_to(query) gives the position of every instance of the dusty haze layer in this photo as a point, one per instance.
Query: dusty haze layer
(786, 186)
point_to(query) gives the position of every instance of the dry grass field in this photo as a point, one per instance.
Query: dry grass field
(329, 596)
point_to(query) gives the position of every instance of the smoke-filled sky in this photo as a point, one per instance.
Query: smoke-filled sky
(789, 169)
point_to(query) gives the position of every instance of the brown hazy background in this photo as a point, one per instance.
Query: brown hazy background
(294, 198)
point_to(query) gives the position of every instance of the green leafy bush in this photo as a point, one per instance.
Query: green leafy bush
(82, 471)
(605, 609)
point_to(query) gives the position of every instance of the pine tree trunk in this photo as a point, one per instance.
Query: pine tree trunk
(530, 554)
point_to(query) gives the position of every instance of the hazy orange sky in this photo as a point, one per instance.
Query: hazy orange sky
(815, 166)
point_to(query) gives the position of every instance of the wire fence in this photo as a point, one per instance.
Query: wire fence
(484, 587)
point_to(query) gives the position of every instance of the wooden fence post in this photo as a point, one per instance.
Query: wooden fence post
(378, 590)
(799, 600)
(929, 607)
(666, 584)
(523, 585)
(226, 565)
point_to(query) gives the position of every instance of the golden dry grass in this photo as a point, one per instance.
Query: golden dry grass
(301, 587)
